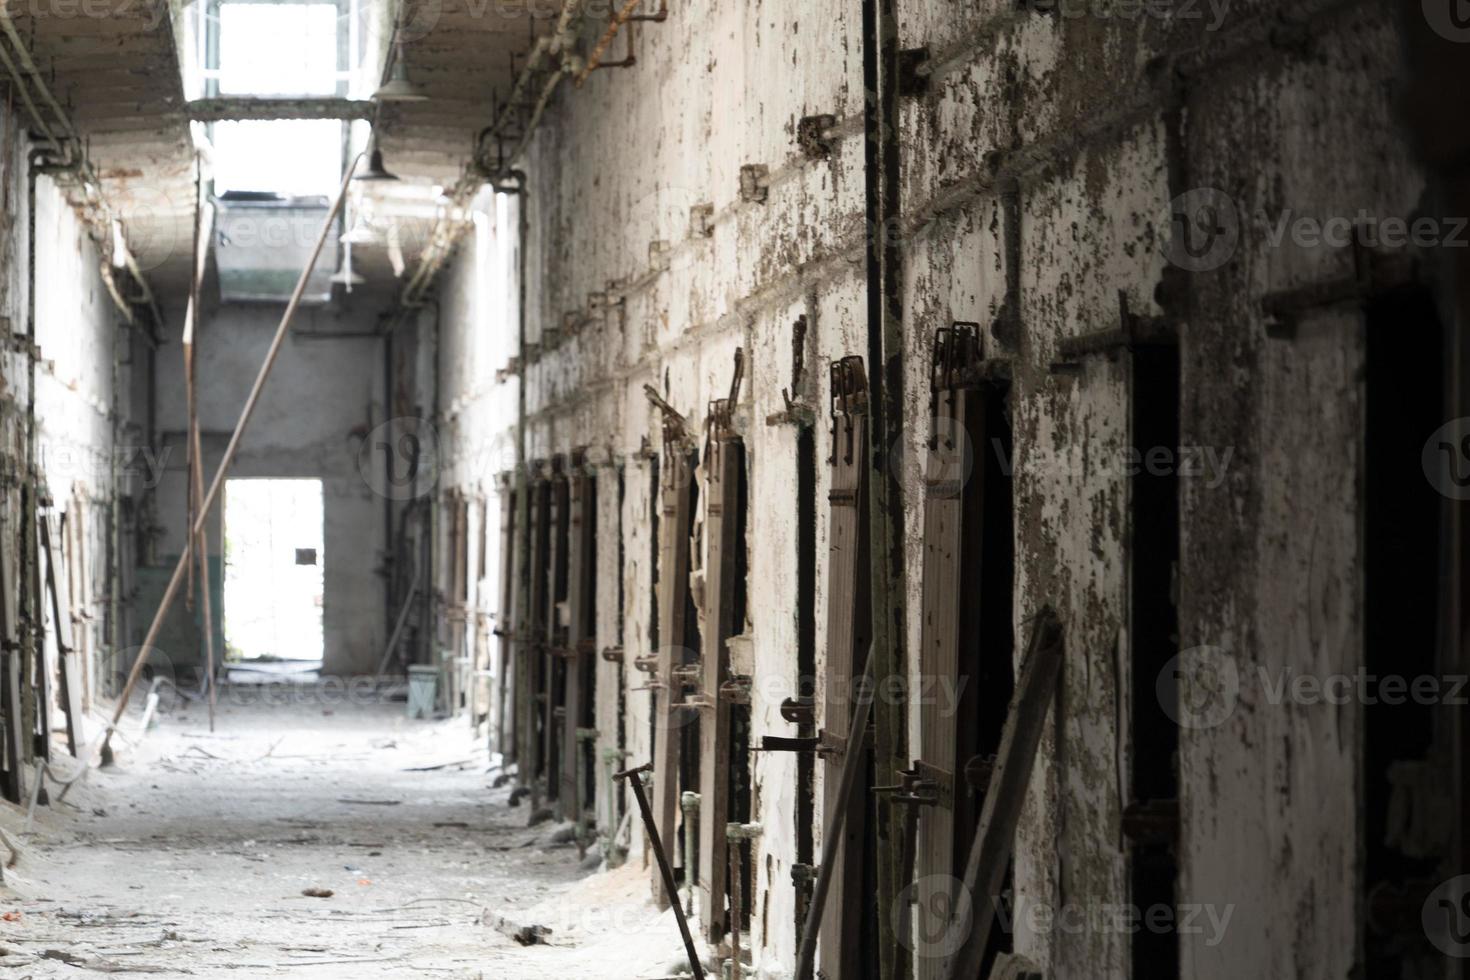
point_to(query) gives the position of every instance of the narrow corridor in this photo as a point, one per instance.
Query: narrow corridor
(856, 489)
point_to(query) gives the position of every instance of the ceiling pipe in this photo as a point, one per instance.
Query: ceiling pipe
(30, 103)
(594, 60)
(554, 52)
(82, 166)
(446, 231)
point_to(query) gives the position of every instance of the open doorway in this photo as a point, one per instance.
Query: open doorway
(273, 574)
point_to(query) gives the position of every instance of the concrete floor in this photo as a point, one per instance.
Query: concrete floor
(191, 856)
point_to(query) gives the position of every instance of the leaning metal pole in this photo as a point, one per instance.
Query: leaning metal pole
(224, 464)
(635, 776)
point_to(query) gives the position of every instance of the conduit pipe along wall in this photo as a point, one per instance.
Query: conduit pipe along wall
(38, 161)
(521, 481)
(393, 531)
(881, 121)
(100, 215)
(554, 53)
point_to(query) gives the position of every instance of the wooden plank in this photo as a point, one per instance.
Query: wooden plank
(582, 642)
(847, 641)
(995, 836)
(505, 624)
(721, 523)
(569, 804)
(677, 474)
(78, 559)
(39, 695)
(939, 653)
(10, 662)
(553, 658)
(71, 679)
(456, 611)
(530, 640)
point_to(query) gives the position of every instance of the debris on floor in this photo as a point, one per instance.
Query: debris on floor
(185, 860)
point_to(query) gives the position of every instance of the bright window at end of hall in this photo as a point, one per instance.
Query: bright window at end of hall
(273, 49)
(288, 157)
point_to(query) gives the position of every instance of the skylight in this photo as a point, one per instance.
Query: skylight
(272, 179)
(274, 49)
(295, 157)
(277, 49)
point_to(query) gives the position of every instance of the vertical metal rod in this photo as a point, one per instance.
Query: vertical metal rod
(634, 776)
(882, 162)
(205, 582)
(199, 540)
(229, 455)
(689, 803)
(394, 575)
(191, 409)
(737, 903)
(857, 742)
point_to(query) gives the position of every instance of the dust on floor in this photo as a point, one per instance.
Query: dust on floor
(193, 856)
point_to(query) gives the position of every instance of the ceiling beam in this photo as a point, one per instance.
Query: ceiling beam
(225, 109)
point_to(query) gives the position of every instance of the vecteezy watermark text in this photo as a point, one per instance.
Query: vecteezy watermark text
(127, 462)
(1207, 226)
(1201, 687)
(944, 914)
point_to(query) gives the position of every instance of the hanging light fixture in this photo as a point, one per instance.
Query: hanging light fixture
(375, 169)
(398, 88)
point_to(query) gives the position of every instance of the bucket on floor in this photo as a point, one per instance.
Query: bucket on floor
(423, 684)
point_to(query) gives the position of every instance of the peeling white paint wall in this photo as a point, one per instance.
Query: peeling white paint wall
(1075, 110)
(82, 339)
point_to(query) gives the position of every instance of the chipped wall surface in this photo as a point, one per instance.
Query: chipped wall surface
(1078, 114)
(14, 364)
(80, 384)
(80, 401)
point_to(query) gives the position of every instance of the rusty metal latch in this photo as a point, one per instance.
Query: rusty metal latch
(797, 412)
(720, 421)
(781, 743)
(1373, 272)
(736, 690)
(849, 398)
(922, 785)
(675, 425)
(1133, 331)
(799, 711)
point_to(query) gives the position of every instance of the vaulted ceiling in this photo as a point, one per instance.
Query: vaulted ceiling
(116, 81)
(461, 53)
